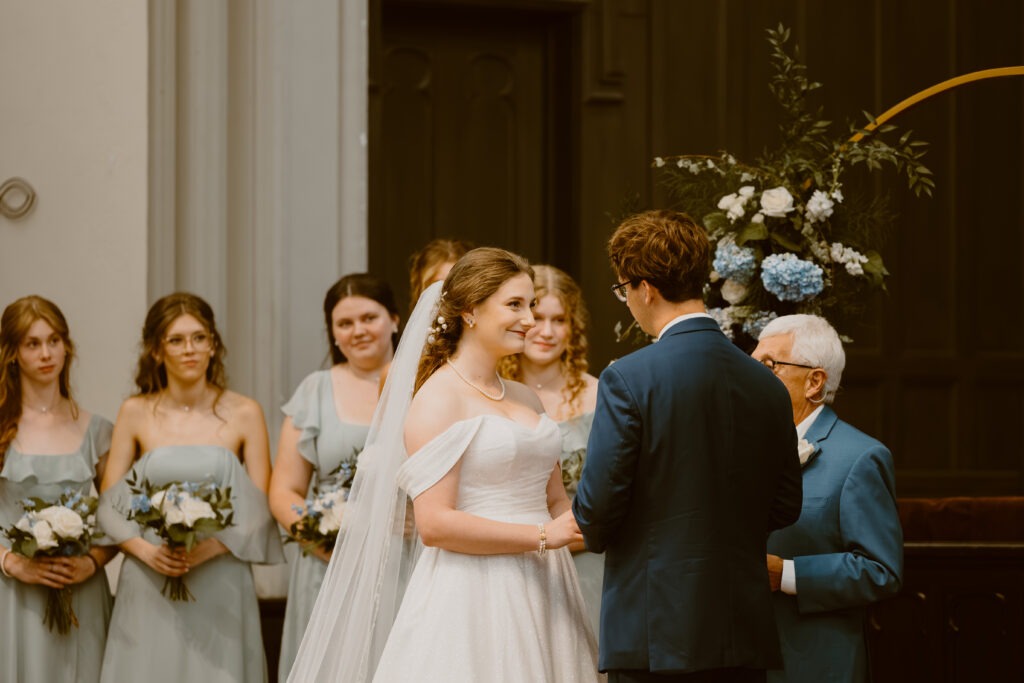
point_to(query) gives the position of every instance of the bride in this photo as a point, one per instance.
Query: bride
(493, 596)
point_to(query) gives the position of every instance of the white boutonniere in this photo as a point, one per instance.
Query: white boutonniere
(804, 449)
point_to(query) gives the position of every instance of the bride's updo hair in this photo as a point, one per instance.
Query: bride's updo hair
(473, 279)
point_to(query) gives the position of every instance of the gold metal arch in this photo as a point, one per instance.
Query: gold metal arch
(941, 87)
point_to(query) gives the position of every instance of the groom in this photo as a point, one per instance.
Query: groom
(692, 461)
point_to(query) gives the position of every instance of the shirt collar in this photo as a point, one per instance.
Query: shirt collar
(806, 423)
(680, 319)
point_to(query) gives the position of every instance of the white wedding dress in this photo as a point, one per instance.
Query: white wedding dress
(491, 618)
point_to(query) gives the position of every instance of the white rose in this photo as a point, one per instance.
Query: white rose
(63, 522)
(659, 162)
(157, 500)
(331, 519)
(727, 201)
(776, 202)
(173, 514)
(43, 534)
(25, 523)
(746, 191)
(757, 218)
(195, 510)
(733, 291)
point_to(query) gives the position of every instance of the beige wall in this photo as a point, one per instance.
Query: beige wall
(73, 123)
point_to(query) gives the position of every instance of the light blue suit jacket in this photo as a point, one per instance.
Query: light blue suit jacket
(847, 549)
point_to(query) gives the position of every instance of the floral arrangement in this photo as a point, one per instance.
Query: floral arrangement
(181, 514)
(786, 238)
(65, 527)
(320, 519)
(572, 468)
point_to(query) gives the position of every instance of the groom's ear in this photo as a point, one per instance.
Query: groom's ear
(648, 291)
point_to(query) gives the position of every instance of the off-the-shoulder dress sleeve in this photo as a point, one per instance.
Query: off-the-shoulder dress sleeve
(429, 464)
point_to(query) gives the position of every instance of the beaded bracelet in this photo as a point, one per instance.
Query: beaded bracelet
(543, 546)
(3, 563)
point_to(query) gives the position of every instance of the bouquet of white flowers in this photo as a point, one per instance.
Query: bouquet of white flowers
(65, 527)
(320, 519)
(181, 513)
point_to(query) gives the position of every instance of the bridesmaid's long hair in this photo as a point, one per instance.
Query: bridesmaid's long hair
(17, 318)
(472, 280)
(150, 374)
(548, 280)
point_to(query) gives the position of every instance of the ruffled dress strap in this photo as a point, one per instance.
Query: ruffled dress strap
(305, 409)
(97, 441)
(435, 459)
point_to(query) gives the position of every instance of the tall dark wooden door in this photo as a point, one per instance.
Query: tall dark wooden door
(466, 111)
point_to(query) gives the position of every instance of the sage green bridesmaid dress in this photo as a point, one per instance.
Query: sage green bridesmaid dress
(29, 651)
(589, 566)
(324, 441)
(217, 638)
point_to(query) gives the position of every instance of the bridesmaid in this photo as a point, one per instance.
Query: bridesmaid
(47, 444)
(431, 264)
(326, 423)
(183, 424)
(554, 364)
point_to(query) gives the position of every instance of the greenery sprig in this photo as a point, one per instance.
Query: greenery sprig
(786, 237)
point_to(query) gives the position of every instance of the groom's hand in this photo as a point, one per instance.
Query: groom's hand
(774, 572)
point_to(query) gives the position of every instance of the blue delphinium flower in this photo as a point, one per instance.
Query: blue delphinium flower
(734, 262)
(790, 278)
(755, 323)
(141, 503)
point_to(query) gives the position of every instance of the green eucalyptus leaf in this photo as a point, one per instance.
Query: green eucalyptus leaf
(753, 231)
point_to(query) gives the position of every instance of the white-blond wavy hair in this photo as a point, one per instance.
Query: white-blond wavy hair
(815, 342)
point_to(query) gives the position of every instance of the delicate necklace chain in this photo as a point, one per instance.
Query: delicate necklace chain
(43, 409)
(466, 380)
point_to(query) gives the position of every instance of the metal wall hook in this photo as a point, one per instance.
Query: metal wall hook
(12, 188)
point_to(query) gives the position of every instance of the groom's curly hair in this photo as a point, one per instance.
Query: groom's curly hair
(666, 248)
(472, 280)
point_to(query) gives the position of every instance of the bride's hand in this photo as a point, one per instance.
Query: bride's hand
(562, 531)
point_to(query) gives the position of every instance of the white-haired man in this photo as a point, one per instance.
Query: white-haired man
(846, 550)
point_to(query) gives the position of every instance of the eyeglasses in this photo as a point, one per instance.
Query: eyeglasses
(619, 290)
(201, 341)
(772, 364)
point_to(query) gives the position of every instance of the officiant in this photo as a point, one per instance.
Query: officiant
(846, 550)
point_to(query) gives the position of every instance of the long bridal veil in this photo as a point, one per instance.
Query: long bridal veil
(366, 576)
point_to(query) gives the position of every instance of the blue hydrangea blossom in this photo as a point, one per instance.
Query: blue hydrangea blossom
(790, 278)
(734, 262)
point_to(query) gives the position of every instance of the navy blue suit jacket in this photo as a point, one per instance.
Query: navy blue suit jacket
(692, 461)
(847, 550)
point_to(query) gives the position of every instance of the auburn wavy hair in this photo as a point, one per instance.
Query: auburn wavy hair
(548, 280)
(666, 248)
(424, 263)
(473, 279)
(150, 373)
(15, 322)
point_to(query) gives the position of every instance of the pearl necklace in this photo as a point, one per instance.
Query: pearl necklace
(466, 380)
